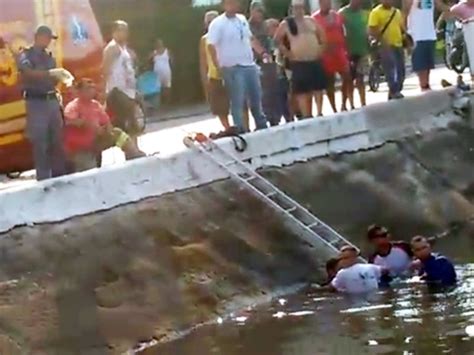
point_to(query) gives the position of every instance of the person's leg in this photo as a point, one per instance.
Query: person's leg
(353, 75)
(361, 71)
(347, 90)
(304, 105)
(401, 71)
(388, 61)
(285, 99)
(234, 84)
(254, 95)
(331, 91)
(219, 101)
(38, 134)
(420, 61)
(84, 161)
(58, 155)
(319, 97)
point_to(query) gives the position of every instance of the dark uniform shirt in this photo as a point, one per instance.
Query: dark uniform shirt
(439, 270)
(37, 59)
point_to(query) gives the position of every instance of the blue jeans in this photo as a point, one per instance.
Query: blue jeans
(393, 64)
(243, 85)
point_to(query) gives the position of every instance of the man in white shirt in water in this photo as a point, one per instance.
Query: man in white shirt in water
(396, 257)
(355, 277)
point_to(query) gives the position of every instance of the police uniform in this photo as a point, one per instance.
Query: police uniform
(44, 125)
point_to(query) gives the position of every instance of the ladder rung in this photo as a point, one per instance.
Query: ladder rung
(292, 209)
(313, 225)
(250, 178)
(229, 163)
(271, 194)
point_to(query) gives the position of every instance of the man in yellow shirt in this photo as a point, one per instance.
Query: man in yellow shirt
(386, 27)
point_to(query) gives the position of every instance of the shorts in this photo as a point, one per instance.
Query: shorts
(123, 109)
(218, 98)
(336, 62)
(307, 77)
(359, 65)
(423, 56)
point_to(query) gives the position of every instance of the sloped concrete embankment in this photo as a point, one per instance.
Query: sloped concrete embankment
(107, 259)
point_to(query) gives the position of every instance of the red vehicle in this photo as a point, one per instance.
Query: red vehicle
(78, 49)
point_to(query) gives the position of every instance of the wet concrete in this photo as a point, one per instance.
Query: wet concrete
(100, 284)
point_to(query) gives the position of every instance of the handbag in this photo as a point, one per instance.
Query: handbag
(376, 43)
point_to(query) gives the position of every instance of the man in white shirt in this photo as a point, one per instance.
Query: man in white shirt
(120, 79)
(420, 16)
(230, 44)
(355, 277)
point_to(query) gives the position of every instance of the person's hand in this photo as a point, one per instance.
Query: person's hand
(416, 265)
(267, 58)
(62, 75)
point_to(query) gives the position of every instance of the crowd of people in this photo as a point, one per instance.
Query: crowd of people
(390, 261)
(276, 68)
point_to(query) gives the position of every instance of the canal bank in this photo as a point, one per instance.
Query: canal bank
(111, 258)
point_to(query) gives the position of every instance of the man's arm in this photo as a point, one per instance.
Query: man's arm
(321, 36)
(26, 68)
(203, 65)
(111, 53)
(257, 47)
(279, 38)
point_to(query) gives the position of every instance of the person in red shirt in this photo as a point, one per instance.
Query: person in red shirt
(88, 130)
(335, 59)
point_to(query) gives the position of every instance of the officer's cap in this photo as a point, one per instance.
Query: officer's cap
(44, 30)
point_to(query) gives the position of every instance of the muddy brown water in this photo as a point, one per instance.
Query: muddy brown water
(406, 319)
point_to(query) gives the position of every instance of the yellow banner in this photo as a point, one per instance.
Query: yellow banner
(12, 109)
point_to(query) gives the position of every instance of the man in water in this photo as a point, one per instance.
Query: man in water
(335, 59)
(386, 28)
(231, 46)
(395, 257)
(436, 269)
(307, 42)
(355, 277)
(120, 81)
(357, 42)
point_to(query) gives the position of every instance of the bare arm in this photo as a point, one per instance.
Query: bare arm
(203, 65)
(257, 47)
(213, 53)
(279, 37)
(321, 36)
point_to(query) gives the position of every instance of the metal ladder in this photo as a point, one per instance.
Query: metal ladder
(311, 229)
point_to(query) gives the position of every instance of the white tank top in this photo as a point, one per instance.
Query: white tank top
(162, 62)
(122, 74)
(421, 25)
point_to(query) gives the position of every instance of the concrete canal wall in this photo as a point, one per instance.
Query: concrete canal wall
(90, 192)
(107, 259)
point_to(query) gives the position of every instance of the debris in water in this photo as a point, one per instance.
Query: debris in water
(408, 340)
(373, 342)
(220, 320)
(301, 313)
(241, 319)
(470, 330)
(279, 315)
(368, 308)
(282, 301)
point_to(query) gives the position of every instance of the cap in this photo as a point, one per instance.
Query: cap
(45, 31)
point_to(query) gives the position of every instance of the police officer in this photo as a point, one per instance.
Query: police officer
(44, 124)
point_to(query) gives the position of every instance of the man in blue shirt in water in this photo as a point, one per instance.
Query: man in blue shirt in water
(435, 269)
